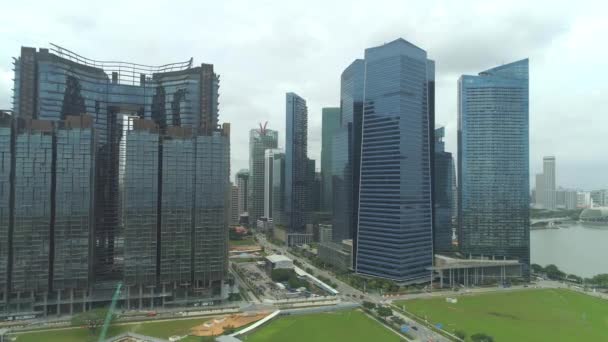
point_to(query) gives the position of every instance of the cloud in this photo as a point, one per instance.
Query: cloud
(264, 49)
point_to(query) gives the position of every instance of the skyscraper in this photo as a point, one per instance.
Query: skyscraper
(395, 206)
(443, 205)
(346, 155)
(296, 162)
(118, 167)
(493, 163)
(331, 122)
(242, 182)
(549, 199)
(259, 140)
(234, 205)
(268, 180)
(539, 191)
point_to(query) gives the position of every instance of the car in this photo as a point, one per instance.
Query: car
(415, 327)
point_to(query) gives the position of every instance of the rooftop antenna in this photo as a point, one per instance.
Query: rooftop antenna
(263, 128)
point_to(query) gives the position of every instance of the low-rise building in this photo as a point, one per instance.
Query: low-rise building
(338, 255)
(277, 261)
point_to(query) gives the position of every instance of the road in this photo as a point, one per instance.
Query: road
(349, 293)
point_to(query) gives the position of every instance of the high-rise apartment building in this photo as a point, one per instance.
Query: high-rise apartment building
(268, 180)
(493, 163)
(330, 123)
(116, 168)
(242, 182)
(296, 163)
(394, 236)
(260, 140)
(443, 205)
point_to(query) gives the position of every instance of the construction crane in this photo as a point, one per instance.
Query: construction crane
(106, 323)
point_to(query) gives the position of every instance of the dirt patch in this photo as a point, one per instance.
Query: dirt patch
(216, 327)
(503, 315)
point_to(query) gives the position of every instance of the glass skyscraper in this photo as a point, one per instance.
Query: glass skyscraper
(443, 206)
(346, 154)
(260, 139)
(296, 163)
(330, 123)
(394, 237)
(111, 172)
(493, 163)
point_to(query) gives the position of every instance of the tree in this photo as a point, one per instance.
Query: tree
(554, 273)
(92, 319)
(481, 337)
(600, 280)
(384, 311)
(398, 320)
(281, 274)
(536, 268)
(369, 305)
(460, 334)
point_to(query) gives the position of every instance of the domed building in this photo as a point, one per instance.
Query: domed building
(597, 215)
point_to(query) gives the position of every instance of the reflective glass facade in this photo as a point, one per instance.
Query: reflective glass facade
(346, 154)
(140, 205)
(5, 194)
(32, 208)
(443, 206)
(493, 162)
(74, 177)
(259, 141)
(330, 123)
(176, 217)
(395, 210)
(278, 190)
(296, 170)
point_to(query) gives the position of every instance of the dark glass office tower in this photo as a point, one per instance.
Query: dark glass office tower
(493, 163)
(347, 154)
(330, 123)
(6, 141)
(278, 190)
(395, 204)
(296, 162)
(443, 198)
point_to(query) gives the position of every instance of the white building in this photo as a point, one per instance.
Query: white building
(268, 173)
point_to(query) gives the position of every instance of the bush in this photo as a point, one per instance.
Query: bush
(384, 311)
(281, 274)
(369, 305)
(481, 337)
(460, 334)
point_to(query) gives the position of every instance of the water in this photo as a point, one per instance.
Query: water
(576, 249)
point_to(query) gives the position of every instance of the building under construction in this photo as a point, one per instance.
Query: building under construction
(111, 172)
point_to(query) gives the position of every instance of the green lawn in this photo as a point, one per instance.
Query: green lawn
(532, 315)
(350, 326)
(244, 242)
(155, 329)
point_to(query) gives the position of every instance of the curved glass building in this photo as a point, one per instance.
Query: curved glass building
(493, 163)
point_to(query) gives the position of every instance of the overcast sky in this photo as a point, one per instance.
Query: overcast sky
(263, 49)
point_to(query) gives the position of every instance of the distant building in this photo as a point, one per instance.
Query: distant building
(443, 197)
(331, 122)
(599, 198)
(259, 141)
(583, 199)
(277, 261)
(242, 182)
(296, 163)
(539, 191)
(268, 180)
(279, 214)
(395, 236)
(234, 205)
(549, 196)
(493, 163)
(325, 233)
(337, 254)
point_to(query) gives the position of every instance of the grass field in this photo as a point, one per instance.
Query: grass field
(156, 329)
(532, 315)
(350, 326)
(244, 242)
